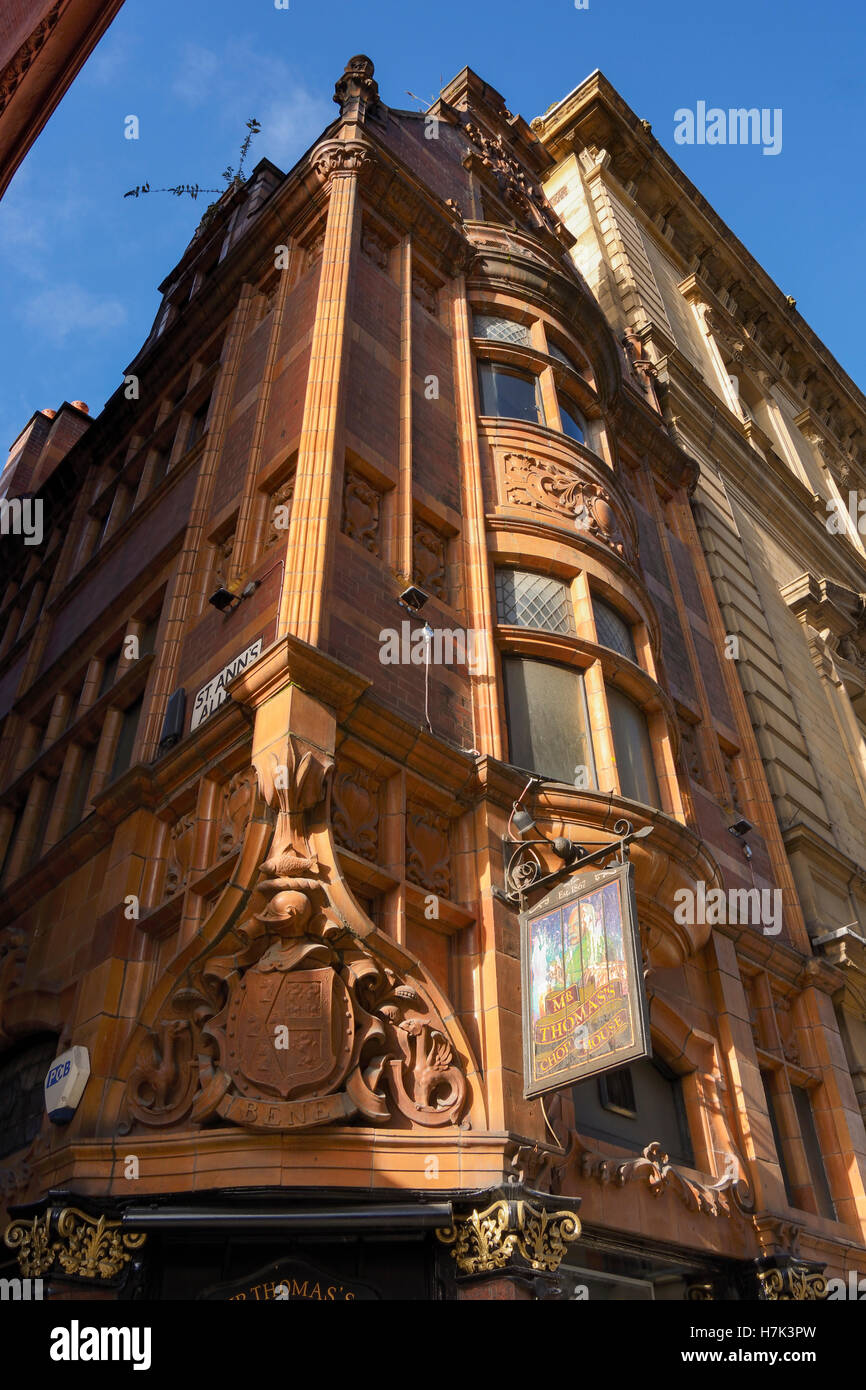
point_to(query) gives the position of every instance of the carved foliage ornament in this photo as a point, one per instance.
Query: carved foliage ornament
(294, 1019)
(356, 810)
(71, 1242)
(340, 157)
(515, 184)
(566, 493)
(361, 510)
(656, 1170)
(429, 556)
(17, 69)
(489, 1240)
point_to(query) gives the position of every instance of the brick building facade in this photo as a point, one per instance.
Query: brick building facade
(254, 865)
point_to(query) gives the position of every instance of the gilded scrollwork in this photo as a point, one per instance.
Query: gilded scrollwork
(72, 1242)
(509, 1231)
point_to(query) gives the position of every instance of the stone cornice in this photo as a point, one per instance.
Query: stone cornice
(595, 117)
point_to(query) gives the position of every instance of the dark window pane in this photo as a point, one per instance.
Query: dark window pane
(197, 424)
(612, 629)
(561, 356)
(126, 738)
(616, 1092)
(809, 1135)
(22, 1078)
(109, 672)
(82, 782)
(547, 723)
(533, 600)
(573, 423)
(772, 1106)
(631, 741)
(657, 1111)
(500, 330)
(507, 392)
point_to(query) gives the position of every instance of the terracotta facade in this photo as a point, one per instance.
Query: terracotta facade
(269, 906)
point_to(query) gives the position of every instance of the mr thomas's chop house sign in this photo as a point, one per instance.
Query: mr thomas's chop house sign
(584, 1003)
(211, 696)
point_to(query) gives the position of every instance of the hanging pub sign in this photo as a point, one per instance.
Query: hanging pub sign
(584, 1003)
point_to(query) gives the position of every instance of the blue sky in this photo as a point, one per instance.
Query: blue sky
(81, 264)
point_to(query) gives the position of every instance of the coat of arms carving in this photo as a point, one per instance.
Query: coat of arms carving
(298, 1018)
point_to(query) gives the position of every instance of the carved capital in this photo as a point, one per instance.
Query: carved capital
(337, 157)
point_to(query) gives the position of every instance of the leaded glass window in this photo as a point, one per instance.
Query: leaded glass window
(612, 629)
(533, 600)
(22, 1078)
(500, 330)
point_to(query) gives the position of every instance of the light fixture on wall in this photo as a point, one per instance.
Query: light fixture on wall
(523, 867)
(224, 600)
(413, 598)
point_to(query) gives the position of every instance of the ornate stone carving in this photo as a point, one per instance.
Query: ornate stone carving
(222, 564)
(514, 182)
(235, 803)
(375, 247)
(356, 810)
(429, 559)
(361, 509)
(358, 83)
(337, 157)
(564, 492)
(314, 248)
(180, 850)
(509, 1230)
(428, 858)
(426, 291)
(71, 1242)
(786, 1026)
(280, 512)
(162, 1085)
(298, 1022)
(655, 1168)
(16, 70)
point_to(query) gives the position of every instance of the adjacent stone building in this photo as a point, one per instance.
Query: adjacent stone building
(439, 491)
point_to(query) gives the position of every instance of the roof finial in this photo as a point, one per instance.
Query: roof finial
(357, 90)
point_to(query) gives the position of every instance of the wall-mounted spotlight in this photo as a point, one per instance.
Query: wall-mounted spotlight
(224, 600)
(741, 827)
(413, 598)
